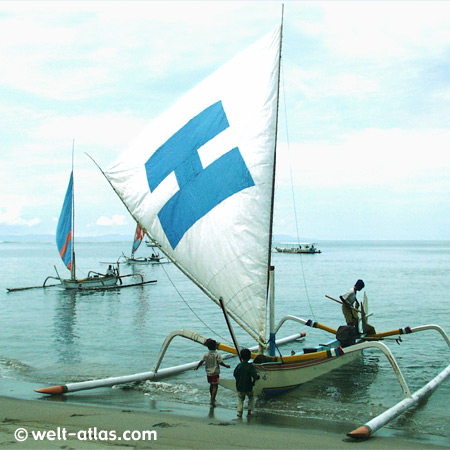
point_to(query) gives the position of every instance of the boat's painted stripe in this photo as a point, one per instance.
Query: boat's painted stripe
(335, 352)
(324, 354)
(272, 392)
(290, 366)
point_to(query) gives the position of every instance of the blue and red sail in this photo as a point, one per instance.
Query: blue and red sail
(64, 228)
(138, 238)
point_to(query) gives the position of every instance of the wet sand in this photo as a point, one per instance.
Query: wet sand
(79, 426)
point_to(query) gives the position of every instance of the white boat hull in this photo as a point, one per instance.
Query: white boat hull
(278, 378)
(148, 260)
(97, 282)
(297, 250)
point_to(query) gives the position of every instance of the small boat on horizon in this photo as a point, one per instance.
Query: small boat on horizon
(138, 238)
(292, 247)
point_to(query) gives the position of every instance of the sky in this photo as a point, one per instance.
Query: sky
(364, 135)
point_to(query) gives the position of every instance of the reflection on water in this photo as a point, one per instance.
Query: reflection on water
(65, 337)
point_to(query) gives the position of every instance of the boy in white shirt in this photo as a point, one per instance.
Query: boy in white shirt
(212, 361)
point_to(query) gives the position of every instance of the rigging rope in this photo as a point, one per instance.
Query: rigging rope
(193, 312)
(293, 196)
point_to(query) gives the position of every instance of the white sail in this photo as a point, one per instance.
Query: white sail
(199, 180)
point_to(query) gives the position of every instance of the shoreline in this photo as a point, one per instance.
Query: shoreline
(177, 425)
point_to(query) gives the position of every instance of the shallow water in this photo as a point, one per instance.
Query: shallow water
(50, 336)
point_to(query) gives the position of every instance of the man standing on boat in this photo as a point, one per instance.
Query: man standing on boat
(350, 304)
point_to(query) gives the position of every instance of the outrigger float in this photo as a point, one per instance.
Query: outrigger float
(201, 181)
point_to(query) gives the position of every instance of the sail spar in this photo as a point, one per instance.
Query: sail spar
(199, 180)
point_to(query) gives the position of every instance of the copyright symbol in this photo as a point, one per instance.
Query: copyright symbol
(21, 434)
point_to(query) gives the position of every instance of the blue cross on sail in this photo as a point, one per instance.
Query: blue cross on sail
(200, 189)
(199, 180)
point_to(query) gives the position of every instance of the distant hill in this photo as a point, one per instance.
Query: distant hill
(51, 238)
(277, 238)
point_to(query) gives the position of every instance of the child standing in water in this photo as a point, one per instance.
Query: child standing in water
(246, 376)
(212, 361)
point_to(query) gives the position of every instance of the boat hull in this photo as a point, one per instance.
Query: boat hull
(276, 379)
(143, 260)
(97, 282)
(297, 250)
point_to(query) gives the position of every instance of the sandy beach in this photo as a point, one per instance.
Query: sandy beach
(33, 424)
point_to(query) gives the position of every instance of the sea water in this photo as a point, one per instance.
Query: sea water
(51, 336)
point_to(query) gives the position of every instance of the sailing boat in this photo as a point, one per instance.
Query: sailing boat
(138, 238)
(201, 180)
(65, 238)
(208, 166)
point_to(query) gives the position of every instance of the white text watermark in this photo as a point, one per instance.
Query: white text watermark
(91, 434)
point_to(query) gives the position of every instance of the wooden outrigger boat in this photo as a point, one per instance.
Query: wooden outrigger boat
(304, 248)
(65, 242)
(209, 167)
(155, 258)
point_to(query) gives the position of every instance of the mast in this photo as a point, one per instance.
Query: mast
(134, 240)
(72, 270)
(270, 278)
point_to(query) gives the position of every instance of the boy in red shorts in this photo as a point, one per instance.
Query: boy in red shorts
(212, 361)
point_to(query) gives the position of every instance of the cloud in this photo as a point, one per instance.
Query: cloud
(78, 50)
(12, 216)
(384, 31)
(398, 158)
(114, 221)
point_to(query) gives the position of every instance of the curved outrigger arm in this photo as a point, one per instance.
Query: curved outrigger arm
(385, 349)
(366, 430)
(203, 340)
(372, 341)
(182, 333)
(308, 323)
(377, 336)
(408, 330)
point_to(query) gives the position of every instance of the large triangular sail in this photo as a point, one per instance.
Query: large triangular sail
(199, 179)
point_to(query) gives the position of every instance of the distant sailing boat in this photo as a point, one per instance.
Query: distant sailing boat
(65, 238)
(201, 180)
(137, 241)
